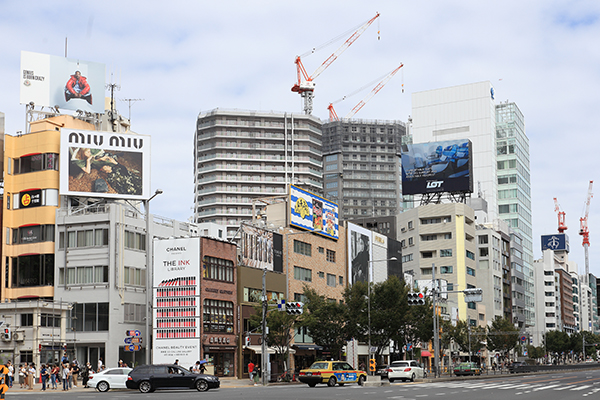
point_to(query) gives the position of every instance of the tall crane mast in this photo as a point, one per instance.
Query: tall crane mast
(333, 115)
(305, 85)
(562, 227)
(584, 231)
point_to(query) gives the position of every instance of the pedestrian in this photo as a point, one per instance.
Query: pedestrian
(202, 368)
(75, 371)
(100, 364)
(88, 372)
(251, 370)
(120, 363)
(54, 376)
(21, 376)
(65, 376)
(31, 376)
(44, 374)
(176, 362)
(257, 374)
(11, 371)
(196, 368)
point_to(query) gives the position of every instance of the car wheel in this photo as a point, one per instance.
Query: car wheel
(391, 380)
(145, 387)
(361, 380)
(332, 381)
(103, 386)
(412, 378)
(201, 385)
(312, 384)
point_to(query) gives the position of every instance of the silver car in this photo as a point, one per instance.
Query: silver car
(111, 378)
(405, 370)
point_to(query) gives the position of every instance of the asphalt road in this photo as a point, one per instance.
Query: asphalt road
(555, 386)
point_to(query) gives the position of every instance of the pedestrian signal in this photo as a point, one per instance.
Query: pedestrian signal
(372, 364)
(416, 299)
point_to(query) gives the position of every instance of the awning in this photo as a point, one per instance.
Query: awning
(258, 349)
(308, 347)
(425, 353)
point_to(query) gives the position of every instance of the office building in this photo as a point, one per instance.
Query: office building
(241, 156)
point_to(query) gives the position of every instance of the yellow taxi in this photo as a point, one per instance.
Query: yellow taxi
(332, 373)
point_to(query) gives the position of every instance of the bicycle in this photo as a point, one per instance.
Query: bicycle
(287, 376)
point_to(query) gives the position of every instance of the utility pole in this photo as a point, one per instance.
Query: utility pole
(263, 358)
(436, 331)
(583, 337)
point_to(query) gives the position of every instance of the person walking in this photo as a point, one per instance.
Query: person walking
(11, 371)
(22, 374)
(75, 372)
(65, 376)
(44, 373)
(100, 364)
(31, 376)
(251, 370)
(53, 376)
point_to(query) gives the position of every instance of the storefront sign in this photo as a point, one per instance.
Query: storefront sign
(217, 339)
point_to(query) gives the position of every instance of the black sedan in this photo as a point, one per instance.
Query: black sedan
(148, 378)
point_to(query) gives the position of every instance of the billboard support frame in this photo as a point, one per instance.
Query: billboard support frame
(436, 198)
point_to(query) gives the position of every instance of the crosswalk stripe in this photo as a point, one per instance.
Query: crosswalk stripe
(581, 387)
(544, 387)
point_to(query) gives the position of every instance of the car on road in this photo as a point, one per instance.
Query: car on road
(148, 378)
(406, 370)
(111, 378)
(467, 368)
(331, 373)
(518, 366)
(382, 371)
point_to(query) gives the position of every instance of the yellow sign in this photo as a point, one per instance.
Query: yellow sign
(3, 388)
(3, 370)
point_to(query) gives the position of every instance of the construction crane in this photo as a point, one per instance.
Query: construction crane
(333, 115)
(584, 231)
(562, 227)
(305, 85)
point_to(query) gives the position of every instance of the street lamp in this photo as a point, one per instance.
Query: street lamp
(149, 282)
(370, 278)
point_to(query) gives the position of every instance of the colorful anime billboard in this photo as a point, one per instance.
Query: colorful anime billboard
(67, 83)
(437, 167)
(311, 212)
(104, 164)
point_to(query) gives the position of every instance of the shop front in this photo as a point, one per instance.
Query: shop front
(219, 353)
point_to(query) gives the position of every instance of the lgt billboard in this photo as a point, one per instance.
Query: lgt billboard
(437, 167)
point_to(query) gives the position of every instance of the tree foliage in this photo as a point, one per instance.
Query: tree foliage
(502, 335)
(280, 330)
(557, 341)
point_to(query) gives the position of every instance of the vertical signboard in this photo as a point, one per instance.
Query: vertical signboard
(359, 253)
(68, 83)
(261, 248)
(176, 284)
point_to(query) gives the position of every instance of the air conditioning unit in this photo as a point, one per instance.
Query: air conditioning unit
(18, 336)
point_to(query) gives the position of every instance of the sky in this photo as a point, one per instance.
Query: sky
(186, 58)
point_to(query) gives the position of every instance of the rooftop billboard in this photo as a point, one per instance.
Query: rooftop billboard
(261, 248)
(104, 164)
(557, 241)
(311, 212)
(67, 83)
(437, 167)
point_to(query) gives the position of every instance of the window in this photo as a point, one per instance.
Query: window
(450, 287)
(446, 253)
(410, 224)
(549, 294)
(89, 317)
(341, 280)
(303, 274)
(33, 270)
(548, 283)
(427, 254)
(407, 258)
(32, 234)
(470, 271)
(218, 316)
(331, 280)
(218, 269)
(470, 255)
(471, 305)
(134, 276)
(446, 270)
(26, 357)
(426, 271)
(26, 319)
(84, 238)
(50, 320)
(483, 239)
(330, 256)
(302, 248)
(428, 221)
(410, 241)
(87, 275)
(321, 274)
(426, 238)
(321, 249)
(448, 235)
(134, 312)
(484, 252)
(135, 240)
(36, 162)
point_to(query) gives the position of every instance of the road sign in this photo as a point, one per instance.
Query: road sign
(473, 295)
(133, 340)
(1, 323)
(523, 339)
(135, 333)
(132, 347)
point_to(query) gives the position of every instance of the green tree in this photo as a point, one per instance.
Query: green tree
(326, 321)
(534, 352)
(502, 335)
(557, 342)
(281, 325)
(465, 336)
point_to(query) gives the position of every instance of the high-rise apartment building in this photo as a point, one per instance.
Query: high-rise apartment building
(361, 167)
(500, 156)
(241, 156)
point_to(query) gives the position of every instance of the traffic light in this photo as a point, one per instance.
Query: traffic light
(294, 307)
(246, 340)
(7, 335)
(372, 364)
(416, 299)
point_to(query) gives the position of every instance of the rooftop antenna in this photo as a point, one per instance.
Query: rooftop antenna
(65, 47)
(112, 87)
(131, 101)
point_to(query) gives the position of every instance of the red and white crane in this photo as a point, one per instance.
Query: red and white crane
(562, 227)
(584, 231)
(333, 115)
(305, 85)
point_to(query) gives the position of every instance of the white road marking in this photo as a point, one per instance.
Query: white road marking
(581, 387)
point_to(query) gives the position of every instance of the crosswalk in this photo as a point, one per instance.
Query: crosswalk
(586, 389)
